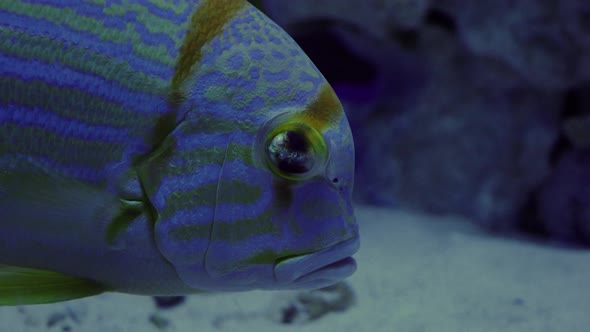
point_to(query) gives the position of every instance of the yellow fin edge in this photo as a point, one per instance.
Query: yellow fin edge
(19, 286)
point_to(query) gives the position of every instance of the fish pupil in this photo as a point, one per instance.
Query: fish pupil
(291, 152)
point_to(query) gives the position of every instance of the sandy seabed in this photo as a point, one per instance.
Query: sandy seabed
(416, 273)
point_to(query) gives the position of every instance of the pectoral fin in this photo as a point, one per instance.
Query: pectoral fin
(35, 199)
(20, 285)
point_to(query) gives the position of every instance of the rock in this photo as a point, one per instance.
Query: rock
(375, 17)
(564, 200)
(159, 322)
(55, 318)
(577, 130)
(526, 35)
(305, 306)
(574, 27)
(168, 302)
(576, 116)
(476, 142)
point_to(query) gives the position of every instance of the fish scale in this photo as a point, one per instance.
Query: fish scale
(135, 152)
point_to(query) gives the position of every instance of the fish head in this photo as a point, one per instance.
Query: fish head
(258, 194)
(284, 218)
(283, 215)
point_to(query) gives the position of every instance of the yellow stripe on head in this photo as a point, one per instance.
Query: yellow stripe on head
(323, 111)
(207, 22)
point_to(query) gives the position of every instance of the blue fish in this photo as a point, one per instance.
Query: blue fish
(166, 148)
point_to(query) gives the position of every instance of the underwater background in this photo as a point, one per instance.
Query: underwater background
(471, 123)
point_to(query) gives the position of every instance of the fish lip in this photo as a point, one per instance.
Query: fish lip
(331, 264)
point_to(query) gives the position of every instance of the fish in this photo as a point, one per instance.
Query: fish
(166, 148)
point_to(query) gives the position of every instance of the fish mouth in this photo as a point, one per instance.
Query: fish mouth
(319, 269)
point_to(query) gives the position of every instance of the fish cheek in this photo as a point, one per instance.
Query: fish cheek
(180, 180)
(282, 194)
(243, 225)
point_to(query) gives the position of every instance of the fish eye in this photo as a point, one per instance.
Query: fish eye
(290, 152)
(295, 151)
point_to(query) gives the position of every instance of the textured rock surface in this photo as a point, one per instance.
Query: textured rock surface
(471, 106)
(530, 36)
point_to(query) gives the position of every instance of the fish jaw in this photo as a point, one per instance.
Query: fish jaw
(319, 269)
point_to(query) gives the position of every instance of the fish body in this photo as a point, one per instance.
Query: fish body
(166, 148)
